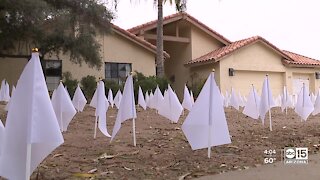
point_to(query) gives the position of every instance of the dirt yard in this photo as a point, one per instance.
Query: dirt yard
(162, 150)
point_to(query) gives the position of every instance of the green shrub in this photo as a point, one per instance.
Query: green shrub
(148, 83)
(197, 87)
(88, 86)
(69, 82)
(113, 85)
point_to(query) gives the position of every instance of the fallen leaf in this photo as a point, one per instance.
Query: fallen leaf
(92, 171)
(126, 168)
(106, 156)
(235, 147)
(223, 165)
(177, 128)
(264, 137)
(184, 176)
(57, 155)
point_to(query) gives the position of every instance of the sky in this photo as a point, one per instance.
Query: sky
(292, 25)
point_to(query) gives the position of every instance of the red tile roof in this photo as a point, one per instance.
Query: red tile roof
(300, 59)
(217, 54)
(138, 40)
(176, 17)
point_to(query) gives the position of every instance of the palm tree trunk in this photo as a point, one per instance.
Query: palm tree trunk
(160, 59)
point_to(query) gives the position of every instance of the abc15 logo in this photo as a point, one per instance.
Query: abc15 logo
(296, 153)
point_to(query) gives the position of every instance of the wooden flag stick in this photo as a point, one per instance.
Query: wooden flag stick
(270, 120)
(210, 118)
(134, 132)
(95, 128)
(28, 161)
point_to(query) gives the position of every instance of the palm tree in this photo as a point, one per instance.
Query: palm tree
(180, 6)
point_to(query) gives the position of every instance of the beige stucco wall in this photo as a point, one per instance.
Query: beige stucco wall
(115, 48)
(202, 43)
(11, 69)
(251, 64)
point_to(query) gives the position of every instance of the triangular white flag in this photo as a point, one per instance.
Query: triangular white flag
(110, 98)
(141, 100)
(63, 107)
(304, 106)
(79, 100)
(150, 101)
(147, 97)
(187, 102)
(32, 130)
(252, 106)
(101, 105)
(117, 99)
(266, 102)
(192, 98)
(317, 104)
(234, 102)
(127, 109)
(12, 93)
(170, 107)
(206, 124)
(1, 136)
(157, 98)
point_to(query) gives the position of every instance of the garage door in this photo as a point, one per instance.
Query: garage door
(243, 79)
(297, 82)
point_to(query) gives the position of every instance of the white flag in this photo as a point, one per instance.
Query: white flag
(147, 97)
(234, 102)
(12, 93)
(170, 107)
(206, 124)
(110, 98)
(286, 100)
(101, 105)
(304, 106)
(266, 102)
(4, 91)
(157, 98)
(117, 99)
(313, 98)
(317, 104)
(192, 98)
(150, 101)
(1, 136)
(79, 100)
(93, 102)
(127, 108)
(32, 130)
(252, 106)
(141, 100)
(63, 107)
(241, 101)
(187, 102)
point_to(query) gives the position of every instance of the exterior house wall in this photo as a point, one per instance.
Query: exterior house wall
(251, 64)
(11, 69)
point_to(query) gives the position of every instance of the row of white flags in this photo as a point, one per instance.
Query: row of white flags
(303, 104)
(34, 123)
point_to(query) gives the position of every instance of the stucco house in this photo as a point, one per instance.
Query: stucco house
(122, 52)
(195, 50)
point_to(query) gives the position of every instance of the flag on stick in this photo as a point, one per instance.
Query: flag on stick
(32, 130)
(127, 109)
(141, 100)
(79, 100)
(266, 102)
(206, 125)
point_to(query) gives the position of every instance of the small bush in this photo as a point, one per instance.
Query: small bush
(113, 85)
(69, 82)
(88, 86)
(197, 87)
(149, 83)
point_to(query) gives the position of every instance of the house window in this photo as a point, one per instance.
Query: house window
(117, 71)
(52, 70)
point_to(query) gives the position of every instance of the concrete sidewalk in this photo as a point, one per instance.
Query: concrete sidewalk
(276, 171)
